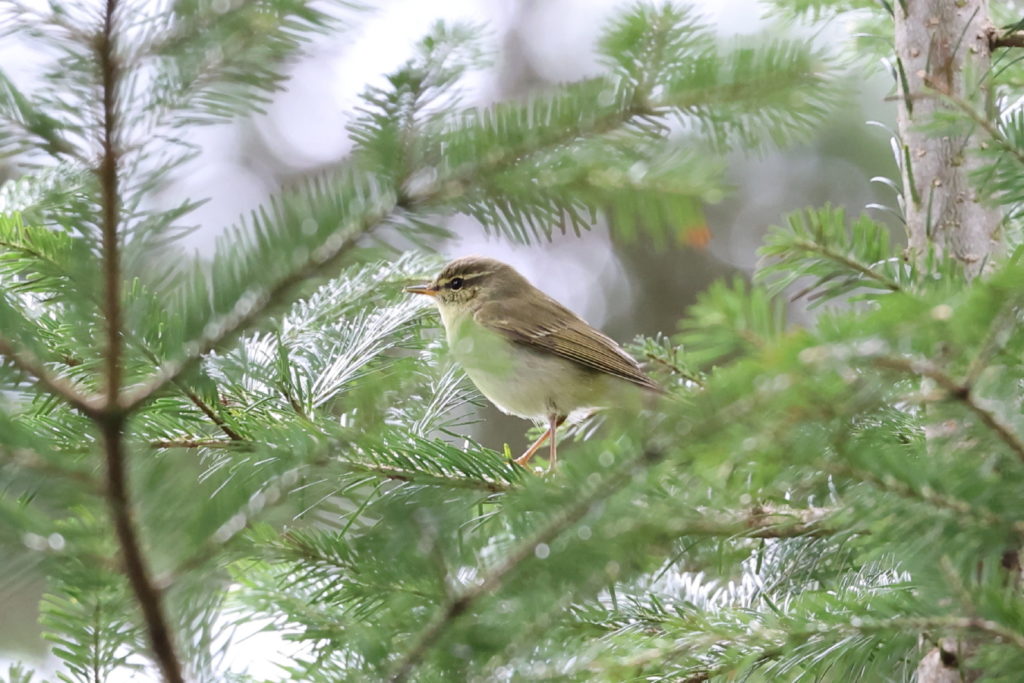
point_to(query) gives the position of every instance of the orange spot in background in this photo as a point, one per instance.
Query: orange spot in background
(697, 236)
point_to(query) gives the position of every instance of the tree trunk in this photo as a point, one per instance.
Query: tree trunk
(944, 664)
(943, 51)
(944, 55)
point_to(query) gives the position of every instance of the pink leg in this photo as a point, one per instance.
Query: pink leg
(554, 422)
(525, 457)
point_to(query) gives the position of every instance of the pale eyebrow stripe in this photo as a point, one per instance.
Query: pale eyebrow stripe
(467, 276)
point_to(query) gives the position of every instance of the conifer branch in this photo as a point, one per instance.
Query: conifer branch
(762, 521)
(944, 501)
(995, 339)
(25, 458)
(428, 478)
(59, 387)
(960, 392)
(135, 566)
(112, 419)
(1008, 39)
(846, 262)
(772, 644)
(982, 121)
(461, 603)
(194, 443)
(675, 369)
(192, 396)
(248, 311)
(403, 474)
(207, 410)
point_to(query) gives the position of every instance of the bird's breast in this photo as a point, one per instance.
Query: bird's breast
(519, 380)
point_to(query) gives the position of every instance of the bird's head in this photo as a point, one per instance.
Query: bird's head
(467, 282)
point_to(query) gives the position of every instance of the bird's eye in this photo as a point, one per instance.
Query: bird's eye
(456, 283)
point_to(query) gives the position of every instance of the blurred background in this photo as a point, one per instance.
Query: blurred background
(623, 288)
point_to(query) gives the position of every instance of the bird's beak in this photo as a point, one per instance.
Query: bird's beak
(422, 289)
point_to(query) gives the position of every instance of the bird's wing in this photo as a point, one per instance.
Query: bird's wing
(547, 326)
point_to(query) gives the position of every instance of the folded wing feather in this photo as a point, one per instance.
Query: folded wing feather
(550, 327)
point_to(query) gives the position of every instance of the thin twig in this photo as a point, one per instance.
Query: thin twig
(30, 460)
(983, 121)
(458, 605)
(112, 419)
(844, 260)
(774, 647)
(1011, 39)
(429, 478)
(675, 369)
(246, 311)
(953, 623)
(195, 443)
(994, 340)
(57, 386)
(215, 418)
(959, 507)
(762, 521)
(192, 396)
(960, 392)
(214, 544)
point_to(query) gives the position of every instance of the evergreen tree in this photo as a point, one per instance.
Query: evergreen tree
(274, 431)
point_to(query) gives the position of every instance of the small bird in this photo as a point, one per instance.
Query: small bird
(529, 355)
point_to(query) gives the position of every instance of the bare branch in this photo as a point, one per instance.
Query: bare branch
(1008, 39)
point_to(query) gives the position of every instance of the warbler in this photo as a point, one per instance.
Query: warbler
(528, 354)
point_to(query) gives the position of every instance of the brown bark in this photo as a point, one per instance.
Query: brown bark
(111, 419)
(943, 52)
(944, 55)
(944, 664)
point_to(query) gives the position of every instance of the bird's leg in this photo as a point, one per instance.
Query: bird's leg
(525, 457)
(555, 422)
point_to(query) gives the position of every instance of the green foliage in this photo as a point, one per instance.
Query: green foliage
(17, 673)
(217, 62)
(804, 505)
(999, 177)
(730, 319)
(817, 244)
